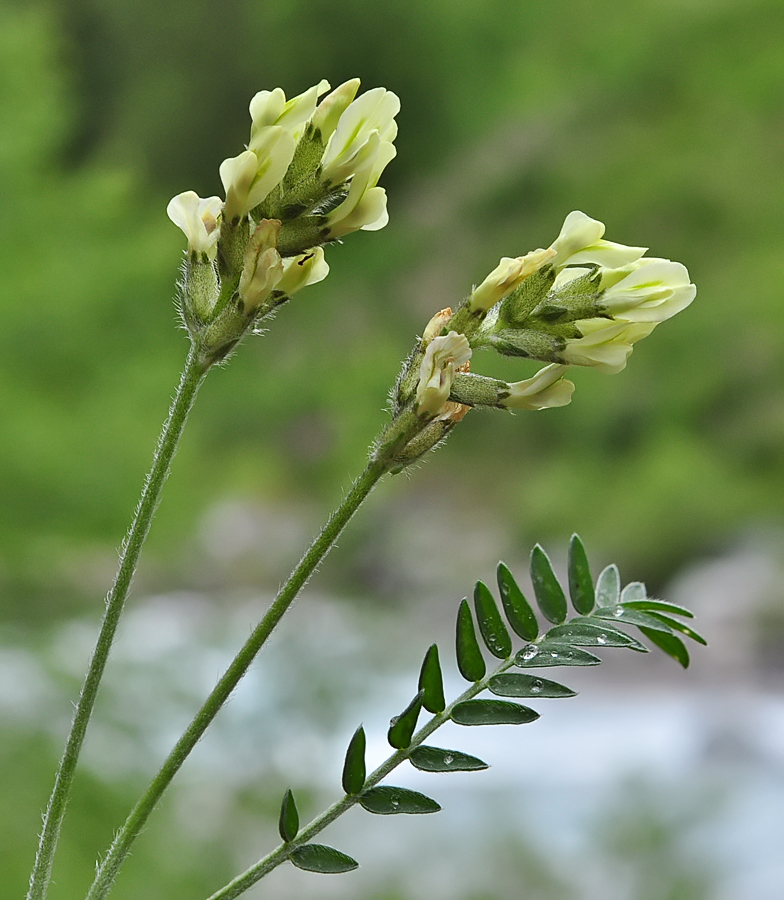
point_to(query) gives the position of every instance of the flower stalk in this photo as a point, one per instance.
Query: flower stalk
(107, 871)
(190, 381)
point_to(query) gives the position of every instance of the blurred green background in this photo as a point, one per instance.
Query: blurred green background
(663, 119)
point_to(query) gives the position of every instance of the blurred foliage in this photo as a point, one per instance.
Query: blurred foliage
(663, 119)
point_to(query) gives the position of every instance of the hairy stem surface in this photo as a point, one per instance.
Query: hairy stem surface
(281, 853)
(135, 822)
(192, 376)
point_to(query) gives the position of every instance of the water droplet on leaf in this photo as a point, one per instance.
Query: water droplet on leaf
(530, 652)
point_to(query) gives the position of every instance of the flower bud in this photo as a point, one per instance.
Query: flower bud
(443, 357)
(198, 219)
(263, 267)
(506, 276)
(327, 115)
(372, 113)
(580, 243)
(436, 325)
(547, 389)
(301, 271)
(650, 290)
(365, 205)
(249, 177)
(269, 108)
(604, 344)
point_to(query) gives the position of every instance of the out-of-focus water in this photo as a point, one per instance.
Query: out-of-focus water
(645, 767)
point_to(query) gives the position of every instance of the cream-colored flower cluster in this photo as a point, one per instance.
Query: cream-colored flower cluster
(583, 301)
(313, 169)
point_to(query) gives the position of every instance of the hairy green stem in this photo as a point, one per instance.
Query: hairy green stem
(107, 872)
(191, 379)
(281, 853)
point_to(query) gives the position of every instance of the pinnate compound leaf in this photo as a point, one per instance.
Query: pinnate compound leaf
(659, 606)
(431, 682)
(608, 586)
(512, 684)
(623, 615)
(547, 589)
(491, 625)
(551, 653)
(581, 633)
(321, 859)
(673, 646)
(580, 582)
(401, 728)
(434, 759)
(682, 627)
(288, 824)
(354, 766)
(492, 712)
(469, 657)
(393, 801)
(518, 610)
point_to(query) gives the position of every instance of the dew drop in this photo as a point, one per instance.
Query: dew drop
(554, 654)
(536, 686)
(618, 612)
(448, 759)
(530, 652)
(569, 654)
(601, 639)
(395, 800)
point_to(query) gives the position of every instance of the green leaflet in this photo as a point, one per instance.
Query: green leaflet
(325, 860)
(608, 586)
(393, 801)
(492, 712)
(582, 633)
(634, 592)
(625, 616)
(673, 646)
(682, 627)
(288, 824)
(512, 684)
(518, 610)
(401, 728)
(354, 767)
(491, 625)
(547, 588)
(469, 657)
(431, 682)
(551, 653)
(580, 582)
(434, 759)
(659, 606)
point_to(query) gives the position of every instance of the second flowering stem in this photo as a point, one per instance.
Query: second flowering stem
(107, 871)
(192, 377)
